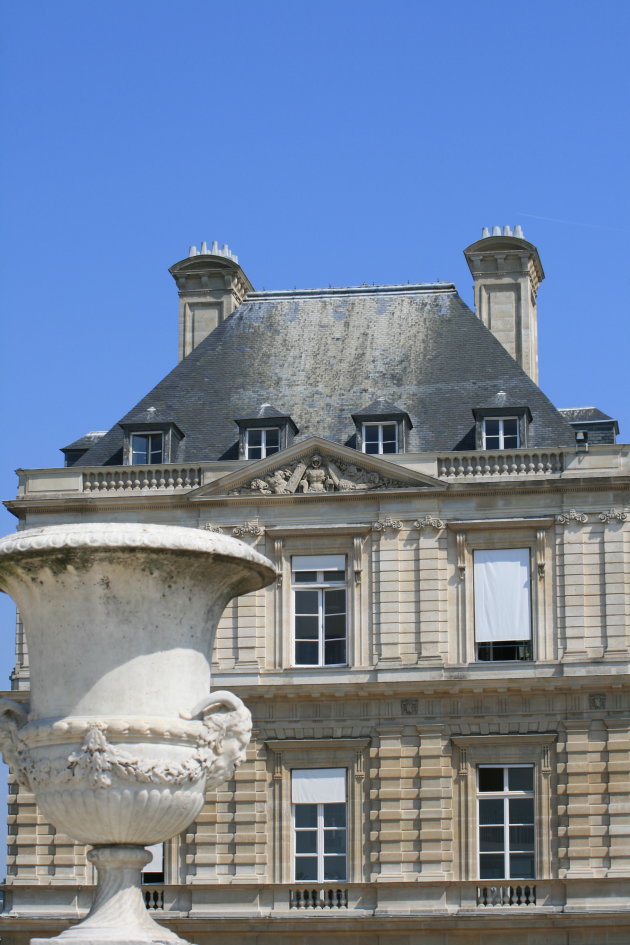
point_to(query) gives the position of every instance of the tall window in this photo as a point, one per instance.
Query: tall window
(147, 448)
(505, 797)
(503, 625)
(261, 442)
(319, 820)
(380, 437)
(319, 609)
(500, 433)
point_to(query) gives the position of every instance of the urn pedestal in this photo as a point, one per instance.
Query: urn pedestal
(123, 737)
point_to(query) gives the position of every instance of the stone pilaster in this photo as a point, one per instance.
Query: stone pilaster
(435, 804)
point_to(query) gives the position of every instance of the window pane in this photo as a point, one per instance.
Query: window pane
(305, 577)
(521, 779)
(370, 447)
(491, 811)
(334, 841)
(307, 602)
(334, 652)
(490, 779)
(492, 428)
(254, 452)
(491, 839)
(305, 868)
(521, 865)
(334, 576)
(306, 654)
(335, 867)
(273, 440)
(156, 448)
(306, 841)
(306, 815)
(370, 434)
(335, 602)
(334, 815)
(306, 628)
(254, 438)
(140, 449)
(521, 838)
(493, 443)
(491, 866)
(510, 442)
(521, 810)
(335, 627)
(510, 428)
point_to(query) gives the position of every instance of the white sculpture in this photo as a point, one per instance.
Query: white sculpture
(122, 737)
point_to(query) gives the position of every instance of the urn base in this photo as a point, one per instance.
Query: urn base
(119, 915)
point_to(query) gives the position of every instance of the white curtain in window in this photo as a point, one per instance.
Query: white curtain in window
(318, 785)
(318, 562)
(502, 595)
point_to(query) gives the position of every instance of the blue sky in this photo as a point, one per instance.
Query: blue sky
(327, 143)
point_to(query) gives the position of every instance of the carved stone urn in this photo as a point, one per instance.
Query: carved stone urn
(122, 736)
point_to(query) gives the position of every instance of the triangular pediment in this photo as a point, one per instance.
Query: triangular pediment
(317, 467)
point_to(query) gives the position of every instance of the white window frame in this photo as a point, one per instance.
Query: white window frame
(263, 444)
(320, 829)
(526, 643)
(506, 795)
(465, 537)
(321, 586)
(381, 438)
(148, 433)
(501, 422)
(284, 755)
(512, 748)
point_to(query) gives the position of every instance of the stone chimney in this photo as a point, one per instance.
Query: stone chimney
(507, 272)
(211, 285)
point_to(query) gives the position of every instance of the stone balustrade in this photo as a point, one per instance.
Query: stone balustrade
(499, 464)
(126, 479)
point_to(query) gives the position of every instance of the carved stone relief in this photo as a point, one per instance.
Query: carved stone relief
(318, 475)
(565, 518)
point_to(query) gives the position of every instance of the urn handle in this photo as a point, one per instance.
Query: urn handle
(220, 697)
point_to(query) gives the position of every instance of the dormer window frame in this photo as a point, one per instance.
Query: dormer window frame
(171, 438)
(381, 441)
(501, 434)
(522, 416)
(286, 427)
(262, 446)
(380, 419)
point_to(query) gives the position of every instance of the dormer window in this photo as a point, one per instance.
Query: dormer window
(382, 428)
(147, 448)
(151, 443)
(262, 442)
(380, 438)
(500, 426)
(264, 432)
(501, 433)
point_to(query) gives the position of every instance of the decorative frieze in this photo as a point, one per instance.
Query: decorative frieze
(318, 474)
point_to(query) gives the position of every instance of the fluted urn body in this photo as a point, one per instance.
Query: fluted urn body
(123, 737)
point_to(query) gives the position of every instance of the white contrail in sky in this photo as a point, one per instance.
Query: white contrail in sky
(598, 226)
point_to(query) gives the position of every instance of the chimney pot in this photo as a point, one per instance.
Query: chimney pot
(518, 232)
(485, 233)
(204, 248)
(496, 231)
(507, 231)
(192, 251)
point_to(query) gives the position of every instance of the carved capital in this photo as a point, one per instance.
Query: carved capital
(429, 521)
(248, 528)
(386, 524)
(612, 515)
(566, 518)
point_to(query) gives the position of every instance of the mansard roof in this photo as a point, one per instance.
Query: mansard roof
(321, 353)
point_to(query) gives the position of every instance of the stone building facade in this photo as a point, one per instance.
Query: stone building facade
(438, 676)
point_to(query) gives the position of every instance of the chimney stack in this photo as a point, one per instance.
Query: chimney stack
(211, 285)
(507, 272)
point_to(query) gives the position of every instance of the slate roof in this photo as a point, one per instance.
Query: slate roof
(583, 414)
(321, 355)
